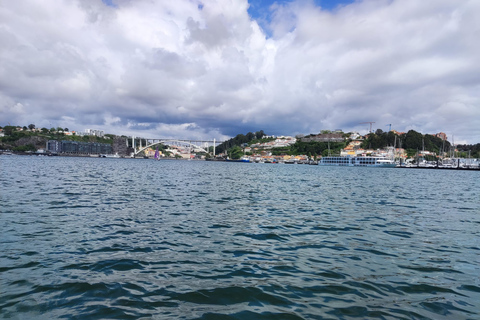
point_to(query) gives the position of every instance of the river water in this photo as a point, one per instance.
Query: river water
(87, 238)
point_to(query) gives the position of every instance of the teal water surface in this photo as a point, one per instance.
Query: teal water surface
(86, 238)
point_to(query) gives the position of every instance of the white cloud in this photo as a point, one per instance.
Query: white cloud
(191, 68)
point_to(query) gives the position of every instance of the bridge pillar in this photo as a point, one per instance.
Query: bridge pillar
(133, 145)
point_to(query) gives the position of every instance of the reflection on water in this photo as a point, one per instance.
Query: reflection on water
(126, 239)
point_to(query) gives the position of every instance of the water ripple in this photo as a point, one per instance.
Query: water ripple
(139, 239)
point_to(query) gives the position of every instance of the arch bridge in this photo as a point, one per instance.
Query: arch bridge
(141, 144)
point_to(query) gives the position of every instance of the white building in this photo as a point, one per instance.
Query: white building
(94, 132)
(355, 135)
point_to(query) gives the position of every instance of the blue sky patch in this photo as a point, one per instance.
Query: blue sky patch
(259, 9)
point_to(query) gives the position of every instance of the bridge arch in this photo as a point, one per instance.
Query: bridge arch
(136, 152)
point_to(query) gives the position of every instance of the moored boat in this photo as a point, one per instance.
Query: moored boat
(109, 155)
(357, 162)
(242, 159)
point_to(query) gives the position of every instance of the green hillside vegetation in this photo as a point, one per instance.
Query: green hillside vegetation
(239, 141)
(27, 140)
(469, 150)
(412, 141)
(313, 149)
(235, 146)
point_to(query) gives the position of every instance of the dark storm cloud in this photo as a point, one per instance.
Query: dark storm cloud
(188, 68)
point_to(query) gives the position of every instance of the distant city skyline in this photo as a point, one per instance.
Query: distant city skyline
(202, 70)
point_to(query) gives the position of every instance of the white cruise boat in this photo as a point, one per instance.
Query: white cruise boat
(357, 162)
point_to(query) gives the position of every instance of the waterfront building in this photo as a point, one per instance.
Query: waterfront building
(54, 146)
(77, 147)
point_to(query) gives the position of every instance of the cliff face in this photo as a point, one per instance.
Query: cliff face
(119, 146)
(38, 142)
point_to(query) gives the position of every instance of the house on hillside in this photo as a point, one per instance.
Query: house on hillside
(326, 137)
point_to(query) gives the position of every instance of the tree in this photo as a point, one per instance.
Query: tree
(469, 150)
(31, 126)
(44, 130)
(413, 140)
(66, 129)
(8, 130)
(259, 134)
(238, 141)
(235, 152)
(411, 153)
(24, 128)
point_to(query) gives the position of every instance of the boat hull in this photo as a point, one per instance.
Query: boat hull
(357, 162)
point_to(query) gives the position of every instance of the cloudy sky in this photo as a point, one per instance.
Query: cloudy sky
(212, 69)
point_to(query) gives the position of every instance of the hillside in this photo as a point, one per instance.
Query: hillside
(31, 139)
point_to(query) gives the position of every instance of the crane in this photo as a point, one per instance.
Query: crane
(371, 122)
(390, 127)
